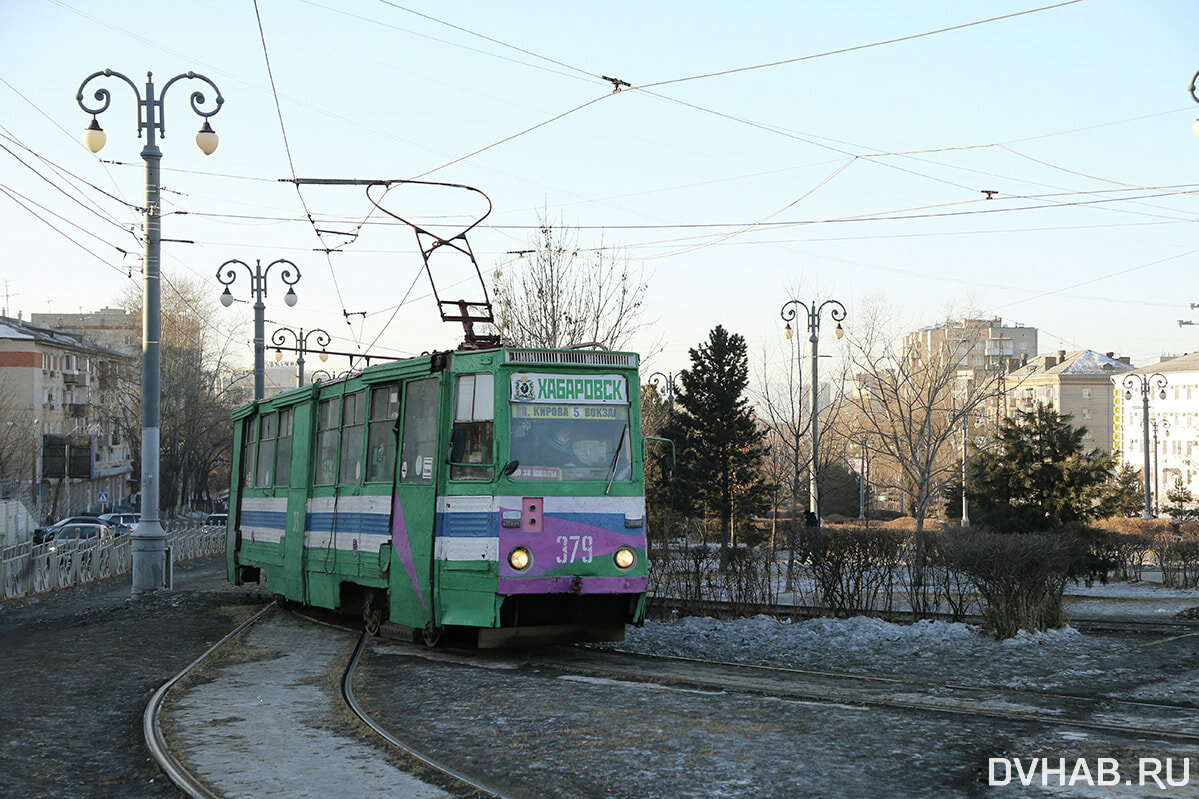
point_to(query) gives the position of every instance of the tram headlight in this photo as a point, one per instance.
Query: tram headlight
(624, 558)
(519, 559)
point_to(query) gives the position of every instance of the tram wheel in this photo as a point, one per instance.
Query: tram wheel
(372, 612)
(431, 635)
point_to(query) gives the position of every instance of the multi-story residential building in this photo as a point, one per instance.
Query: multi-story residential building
(1176, 442)
(1077, 383)
(113, 328)
(59, 386)
(982, 351)
(978, 345)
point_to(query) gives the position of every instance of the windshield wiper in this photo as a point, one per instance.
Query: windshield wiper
(615, 458)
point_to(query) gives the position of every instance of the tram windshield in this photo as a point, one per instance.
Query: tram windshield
(570, 428)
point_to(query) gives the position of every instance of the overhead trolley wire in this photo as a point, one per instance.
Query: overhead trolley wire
(854, 48)
(291, 164)
(102, 216)
(14, 197)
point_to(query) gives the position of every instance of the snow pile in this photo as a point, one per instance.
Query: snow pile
(929, 649)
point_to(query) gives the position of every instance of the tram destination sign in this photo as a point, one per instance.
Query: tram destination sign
(576, 389)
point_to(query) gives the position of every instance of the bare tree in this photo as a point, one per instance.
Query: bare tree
(912, 404)
(196, 433)
(560, 295)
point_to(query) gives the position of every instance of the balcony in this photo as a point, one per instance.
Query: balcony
(75, 378)
(77, 410)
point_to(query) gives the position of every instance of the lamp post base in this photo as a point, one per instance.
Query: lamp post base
(149, 554)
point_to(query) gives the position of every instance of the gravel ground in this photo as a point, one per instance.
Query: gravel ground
(76, 671)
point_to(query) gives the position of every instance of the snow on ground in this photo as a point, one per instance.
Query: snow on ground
(927, 650)
(1150, 588)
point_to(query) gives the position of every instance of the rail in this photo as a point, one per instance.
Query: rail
(30, 569)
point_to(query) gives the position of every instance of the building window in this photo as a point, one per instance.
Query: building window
(1086, 393)
(1086, 413)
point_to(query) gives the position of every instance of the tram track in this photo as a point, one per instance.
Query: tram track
(160, 750)
(194, 787)
(347, 692)
(1010, 704)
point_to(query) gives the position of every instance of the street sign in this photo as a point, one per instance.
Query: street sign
(102, 496)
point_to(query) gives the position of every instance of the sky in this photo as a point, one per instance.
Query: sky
(761, 151)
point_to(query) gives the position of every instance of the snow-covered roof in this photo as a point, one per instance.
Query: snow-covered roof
(8, 331)
(25, 331)
(1079, 363)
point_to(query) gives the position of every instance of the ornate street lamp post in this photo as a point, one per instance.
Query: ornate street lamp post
(965, 506)
(789, 311)
(1195, 97)
(1145, 383)
(258, 275)
(279, 338)
(863, 478)
(149, 549)
(665, 382)
(1157, 497)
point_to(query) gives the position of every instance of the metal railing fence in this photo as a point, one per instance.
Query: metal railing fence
(29, 569)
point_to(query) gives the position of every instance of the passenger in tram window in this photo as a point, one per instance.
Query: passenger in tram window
(557, 451)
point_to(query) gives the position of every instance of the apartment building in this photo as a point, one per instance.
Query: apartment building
(1174, 446)
(112, 328)
(978, 345)
(60, 388)
(1077, 383)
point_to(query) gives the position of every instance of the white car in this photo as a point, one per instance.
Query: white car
(80, 534)
(129, 520)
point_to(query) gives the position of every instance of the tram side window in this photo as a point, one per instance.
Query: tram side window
(249, 451)
(418, 447)
(471, 440)
(283, 449)
(327, 430)
(266, 450)
(381, 441)
(353, 411)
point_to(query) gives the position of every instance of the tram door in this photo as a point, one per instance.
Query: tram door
(414, 505)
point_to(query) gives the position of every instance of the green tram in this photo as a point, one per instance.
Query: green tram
(493, 492)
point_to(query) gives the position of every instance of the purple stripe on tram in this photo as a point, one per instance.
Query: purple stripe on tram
(566, 585)
(403, 550)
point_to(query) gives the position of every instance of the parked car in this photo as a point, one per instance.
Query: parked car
(80, 534)
(43, 534)
(217, 520)
(126, 520)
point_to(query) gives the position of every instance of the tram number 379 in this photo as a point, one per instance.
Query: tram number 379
(575, 545)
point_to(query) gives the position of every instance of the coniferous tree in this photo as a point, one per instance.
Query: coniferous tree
(720, 446)
(1039, 478)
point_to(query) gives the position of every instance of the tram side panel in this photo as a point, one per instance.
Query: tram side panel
(409, 552)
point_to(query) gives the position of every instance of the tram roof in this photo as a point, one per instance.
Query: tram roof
(439, 361)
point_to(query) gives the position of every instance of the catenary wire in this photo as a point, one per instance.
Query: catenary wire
(291, 164)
